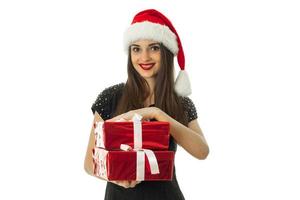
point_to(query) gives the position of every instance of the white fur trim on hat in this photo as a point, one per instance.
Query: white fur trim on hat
(151, 31)
(182, 84)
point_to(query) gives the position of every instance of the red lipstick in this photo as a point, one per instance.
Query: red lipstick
(146, 66)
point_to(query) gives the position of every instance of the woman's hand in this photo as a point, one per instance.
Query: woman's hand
(146, 113)
(126, 184)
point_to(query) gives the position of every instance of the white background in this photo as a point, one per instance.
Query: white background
(243, 61)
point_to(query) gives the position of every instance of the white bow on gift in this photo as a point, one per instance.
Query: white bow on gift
(140, 152)
(140, 161)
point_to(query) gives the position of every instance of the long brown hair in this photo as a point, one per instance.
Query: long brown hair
(136, 89)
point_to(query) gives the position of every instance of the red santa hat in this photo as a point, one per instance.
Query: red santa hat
(153, 25)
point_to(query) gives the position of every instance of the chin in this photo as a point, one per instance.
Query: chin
(146, 77)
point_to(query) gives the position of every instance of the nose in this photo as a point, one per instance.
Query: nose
(145, 56)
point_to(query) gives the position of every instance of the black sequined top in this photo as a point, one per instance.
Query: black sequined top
(105, 105)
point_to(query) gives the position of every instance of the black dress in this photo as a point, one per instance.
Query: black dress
(105, 105)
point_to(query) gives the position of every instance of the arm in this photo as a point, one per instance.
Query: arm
(190, 138)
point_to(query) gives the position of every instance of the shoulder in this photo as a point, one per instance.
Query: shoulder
(104, 99)
(110, 91)
(187, 102)
(189, 108)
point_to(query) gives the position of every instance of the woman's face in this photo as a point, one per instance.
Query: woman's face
(145, 57)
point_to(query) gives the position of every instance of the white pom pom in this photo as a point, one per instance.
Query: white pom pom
(182, 84)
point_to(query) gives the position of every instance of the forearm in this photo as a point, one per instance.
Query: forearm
(88, 162)
(190, 140)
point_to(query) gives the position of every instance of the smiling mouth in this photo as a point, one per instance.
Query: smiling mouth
(147, 66)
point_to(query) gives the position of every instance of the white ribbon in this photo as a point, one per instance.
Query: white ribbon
(137, 131)
(140, 166)
(140, 161)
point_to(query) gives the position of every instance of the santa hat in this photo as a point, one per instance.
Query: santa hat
(153, 25)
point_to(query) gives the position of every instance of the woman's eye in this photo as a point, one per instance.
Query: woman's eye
(155, 48)
(135, 49)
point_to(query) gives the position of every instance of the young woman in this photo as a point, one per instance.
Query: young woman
(150, 90)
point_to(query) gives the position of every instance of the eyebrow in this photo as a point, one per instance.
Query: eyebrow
(152, 44)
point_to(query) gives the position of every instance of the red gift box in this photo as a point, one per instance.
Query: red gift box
(122, 165)
(110, 135)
